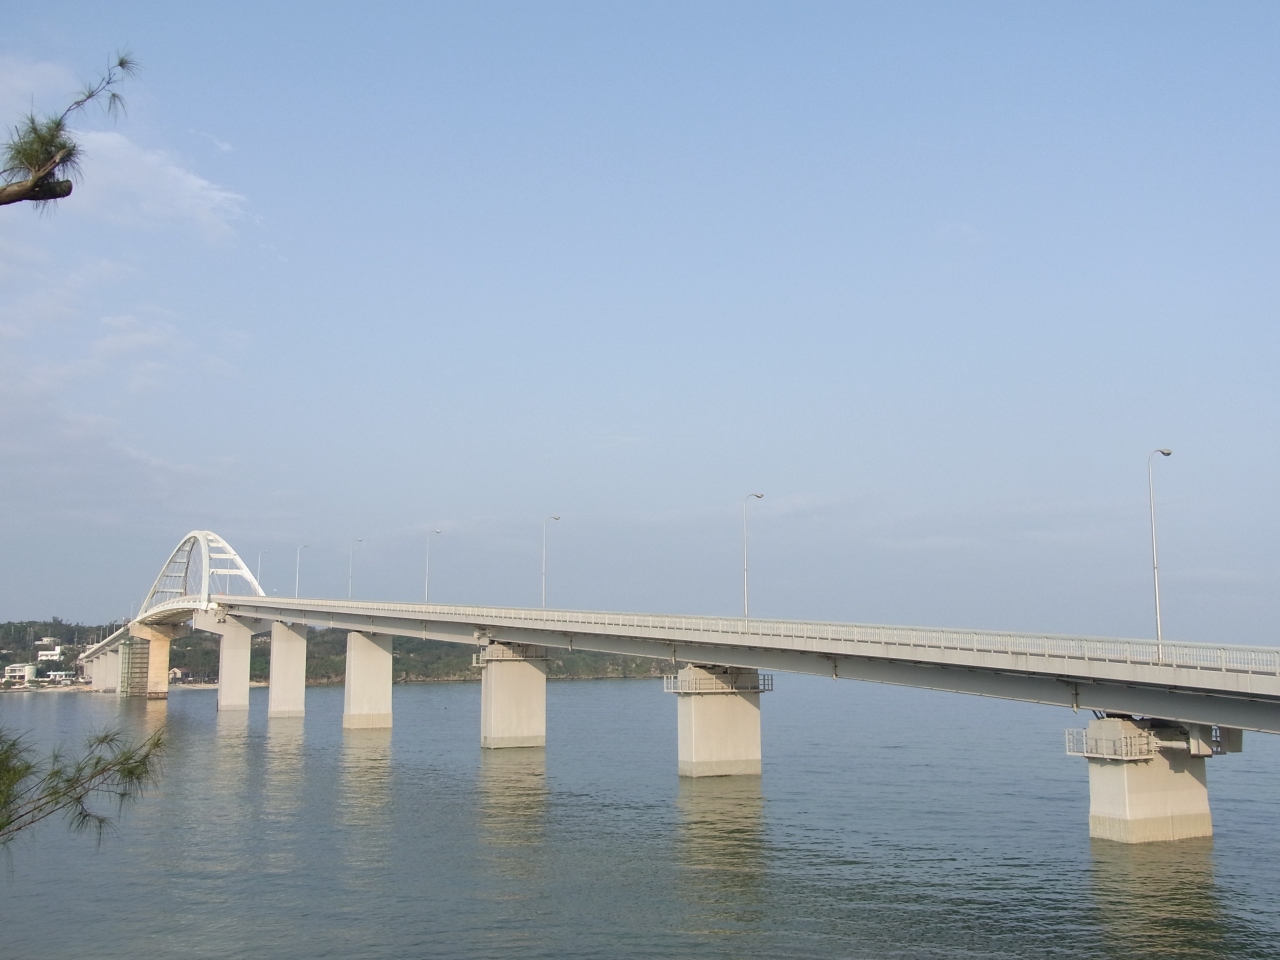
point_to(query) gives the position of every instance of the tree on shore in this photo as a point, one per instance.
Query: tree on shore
(41, 156)
(110, 770)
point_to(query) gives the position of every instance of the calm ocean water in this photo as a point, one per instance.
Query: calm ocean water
(888, 823)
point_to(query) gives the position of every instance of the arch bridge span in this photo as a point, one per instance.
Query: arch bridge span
(1162, 708)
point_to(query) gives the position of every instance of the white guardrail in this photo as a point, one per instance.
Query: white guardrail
(1141, 746)
(796, 634)
(735, 683)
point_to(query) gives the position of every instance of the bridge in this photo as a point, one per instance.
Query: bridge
(1160, 709)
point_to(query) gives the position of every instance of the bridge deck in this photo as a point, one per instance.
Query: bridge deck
(1230, 685)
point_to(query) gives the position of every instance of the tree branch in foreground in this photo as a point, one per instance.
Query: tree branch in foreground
(42, 156)
(111, 769)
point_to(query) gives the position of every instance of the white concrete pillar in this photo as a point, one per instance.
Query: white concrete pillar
(288, 690)
(233, 655)
(719, 719)
(158, 640)
(158, 668)
(111, 671)
(513, 695)
(88, 672)
(1145, 785)
(367, 697)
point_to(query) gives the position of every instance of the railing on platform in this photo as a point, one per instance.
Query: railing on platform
(1141, 746)
(719, 683)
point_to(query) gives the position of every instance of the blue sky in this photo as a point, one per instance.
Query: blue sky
(934, 278)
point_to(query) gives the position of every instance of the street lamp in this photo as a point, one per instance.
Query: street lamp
(544, 560)
(351, 565)
(297, 569)
(426, 582)
(1155, 565)
(745, 500)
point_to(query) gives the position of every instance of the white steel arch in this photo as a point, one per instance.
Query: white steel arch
(201, 565)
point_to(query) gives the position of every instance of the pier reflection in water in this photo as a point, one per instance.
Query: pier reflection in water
(364, 809)
(366, 776)
(145, 717)
(284, 770)
(721, 854)
(283, 788)
(511, 820)
(512, 788)
(1159, 900)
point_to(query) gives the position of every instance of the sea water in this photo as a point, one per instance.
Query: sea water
(888, 823)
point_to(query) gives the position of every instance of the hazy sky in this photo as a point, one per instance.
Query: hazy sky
(934, 278)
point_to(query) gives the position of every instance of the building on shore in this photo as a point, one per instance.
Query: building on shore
(20, 673)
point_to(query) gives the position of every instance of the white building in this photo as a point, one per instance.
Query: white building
(20, 672)
(54, 654)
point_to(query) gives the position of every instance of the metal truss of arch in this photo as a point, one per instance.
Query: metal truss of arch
(203, 565)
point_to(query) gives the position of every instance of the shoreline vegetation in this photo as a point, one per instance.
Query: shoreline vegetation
(413, 660)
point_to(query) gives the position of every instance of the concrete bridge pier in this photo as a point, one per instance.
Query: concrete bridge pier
(233, 656)
(513, 695)
(287, 694)
(1147, 778)
(148, 652)
(107, 673)
(367, 696)
(719, 719)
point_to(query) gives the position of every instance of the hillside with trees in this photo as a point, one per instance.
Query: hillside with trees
(412, 660)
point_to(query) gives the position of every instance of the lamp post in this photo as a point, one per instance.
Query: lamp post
(297, 569)
(745, 500)
(426, 581)
(1155, 564)
(544, 560)
(351, 565)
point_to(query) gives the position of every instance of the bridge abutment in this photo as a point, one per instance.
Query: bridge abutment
(718, 711)
(1147, 778)
(287, 693)
(367, 694)
(513, 695)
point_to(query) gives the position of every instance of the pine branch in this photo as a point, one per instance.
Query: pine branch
(110, 768)
(42, 157)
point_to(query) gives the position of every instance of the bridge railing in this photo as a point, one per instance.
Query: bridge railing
(818, 636)
(1233, 658)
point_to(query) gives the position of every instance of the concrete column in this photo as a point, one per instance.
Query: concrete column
(1146, 783)
(110, 671)
(367, 699)
(513, 695)
(134, 660)
(233, 656)
(719, 719)
(88, 672)
(288, 691)
(158, 640)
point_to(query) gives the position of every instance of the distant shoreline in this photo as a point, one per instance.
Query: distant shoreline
(88, 688)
